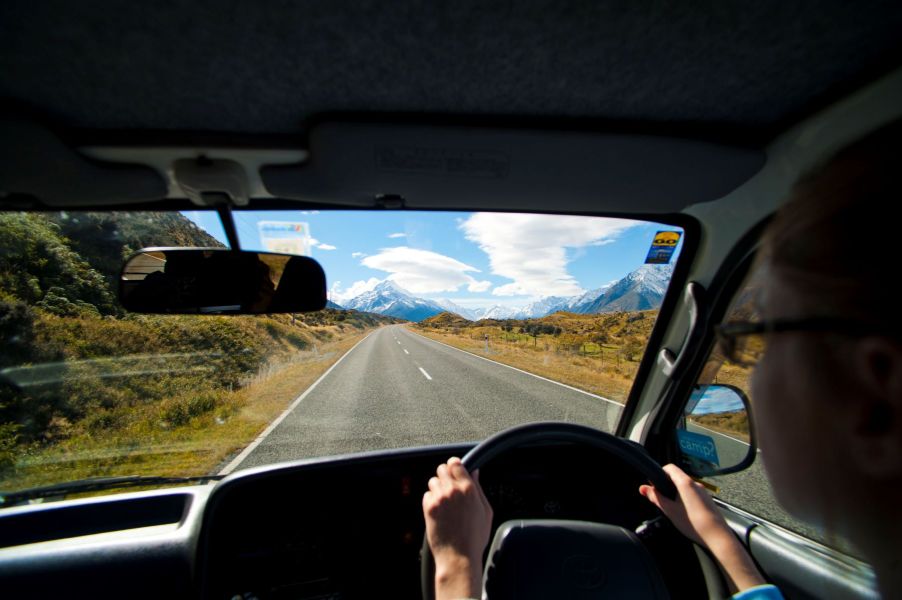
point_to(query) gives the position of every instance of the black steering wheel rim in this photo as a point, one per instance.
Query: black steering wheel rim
(628, 452)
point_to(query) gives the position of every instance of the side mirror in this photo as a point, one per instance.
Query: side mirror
(715, 435)
(219, 281)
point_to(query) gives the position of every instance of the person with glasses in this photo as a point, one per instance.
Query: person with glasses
(826, 385)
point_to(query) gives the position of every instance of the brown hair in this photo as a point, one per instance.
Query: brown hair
(839, 236)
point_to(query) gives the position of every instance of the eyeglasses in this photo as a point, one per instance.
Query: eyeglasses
(744, 342)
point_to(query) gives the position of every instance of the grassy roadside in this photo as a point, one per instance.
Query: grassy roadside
(611, 379)
(201, 445)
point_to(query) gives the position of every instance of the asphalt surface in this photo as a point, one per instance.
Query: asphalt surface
(396, 389)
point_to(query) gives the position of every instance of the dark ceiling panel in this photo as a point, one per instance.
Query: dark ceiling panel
(266, 67)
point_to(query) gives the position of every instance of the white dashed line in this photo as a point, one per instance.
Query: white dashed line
(425, 374)
(399, 343)
(405, 351)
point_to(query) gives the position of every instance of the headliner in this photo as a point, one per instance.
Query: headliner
(741, 74)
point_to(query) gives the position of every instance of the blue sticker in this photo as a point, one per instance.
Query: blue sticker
(662, 247)
(698, 446)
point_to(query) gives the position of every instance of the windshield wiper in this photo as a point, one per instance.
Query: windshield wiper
(61, 490)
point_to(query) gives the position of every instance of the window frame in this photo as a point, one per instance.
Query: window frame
(691, 241)
(716, 300)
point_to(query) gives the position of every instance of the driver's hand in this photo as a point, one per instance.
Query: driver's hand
(458, 525)
(693, 512)
(695, 515)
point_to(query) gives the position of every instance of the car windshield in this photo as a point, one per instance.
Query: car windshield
(441, 327)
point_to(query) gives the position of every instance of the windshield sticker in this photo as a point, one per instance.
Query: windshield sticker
(662, 248)
(285, 237)
(697, 445)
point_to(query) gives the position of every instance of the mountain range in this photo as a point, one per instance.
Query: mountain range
(642, 289)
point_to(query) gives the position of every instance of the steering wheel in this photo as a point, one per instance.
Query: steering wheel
(627, 452)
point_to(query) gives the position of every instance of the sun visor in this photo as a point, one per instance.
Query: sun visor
(359, 164)
(35, 162)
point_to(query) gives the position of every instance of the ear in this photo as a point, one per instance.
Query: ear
(875, 408)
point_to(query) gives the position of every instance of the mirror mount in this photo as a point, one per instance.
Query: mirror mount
(211, 182)
(219, 184)
(228, 224)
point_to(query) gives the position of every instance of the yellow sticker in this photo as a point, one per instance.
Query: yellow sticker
(662, 247)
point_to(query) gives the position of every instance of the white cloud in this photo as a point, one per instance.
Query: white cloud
(531, 250)
(424, 272)
(315, 243)
(355, 289)
(358, 254)
(395, 236)
(335, 291)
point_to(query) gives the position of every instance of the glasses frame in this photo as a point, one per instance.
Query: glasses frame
(726, 333)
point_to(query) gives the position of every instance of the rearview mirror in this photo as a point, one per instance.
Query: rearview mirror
(220, 281)
(715, 434)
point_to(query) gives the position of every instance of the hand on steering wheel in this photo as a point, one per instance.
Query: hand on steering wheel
(458, 526)
(453, 493)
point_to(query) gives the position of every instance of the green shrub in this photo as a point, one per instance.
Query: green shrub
(181, 410)
(9, 437)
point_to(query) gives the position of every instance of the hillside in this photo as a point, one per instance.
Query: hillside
(104, 239)
(446, 320)
(563, 331)
(77, 372)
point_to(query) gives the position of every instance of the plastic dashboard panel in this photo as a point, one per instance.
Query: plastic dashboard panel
(352, 527)
(338, 527)
(137, 545)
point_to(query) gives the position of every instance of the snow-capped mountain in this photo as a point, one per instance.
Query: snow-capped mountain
(497, 312)
(387, 298)
(641, 289)
(449, 306)
(544, 306)
(576, 303)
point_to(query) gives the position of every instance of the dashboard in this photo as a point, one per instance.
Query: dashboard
(334, 528)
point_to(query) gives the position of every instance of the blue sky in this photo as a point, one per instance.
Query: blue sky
(714, 399)
(472, 259)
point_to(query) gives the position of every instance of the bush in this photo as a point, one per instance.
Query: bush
(632, 348)
(9, 437)
(182, 409)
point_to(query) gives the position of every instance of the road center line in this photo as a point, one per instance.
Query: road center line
(425, 374)
(399, 343)
(405, 351)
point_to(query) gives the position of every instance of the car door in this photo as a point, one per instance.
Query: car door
(804, 561)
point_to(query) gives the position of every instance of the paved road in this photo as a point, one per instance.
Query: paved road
(397, 389)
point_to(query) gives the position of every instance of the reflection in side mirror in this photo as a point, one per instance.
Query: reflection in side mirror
(715, 434)
(219, 281)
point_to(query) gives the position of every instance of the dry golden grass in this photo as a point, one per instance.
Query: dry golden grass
(604, 374)
(201, 446)
(733, 424)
